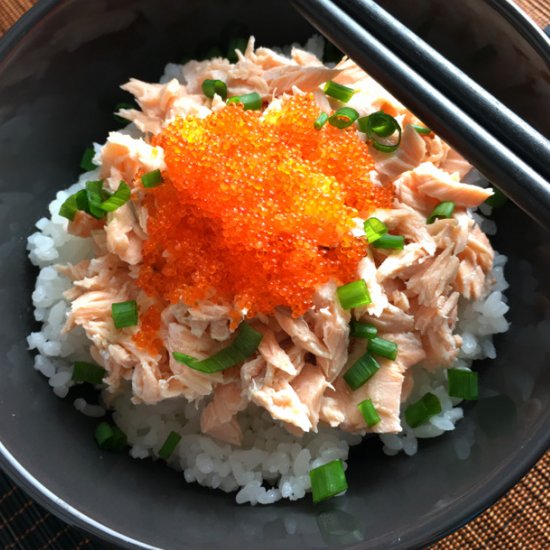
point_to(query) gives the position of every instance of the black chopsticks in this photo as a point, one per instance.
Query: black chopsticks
(464, 92)
(502, 146)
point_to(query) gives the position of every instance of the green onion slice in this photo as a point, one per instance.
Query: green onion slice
(363, 369)
(119, 198)
(338, 91)
(169, 446)
(381, 125)
(86, 163)
(251, 102)
(382, 347)
(444, 209)
(81, 198)
(343, 118)
(395, 242)
(328, 481)
(125, 314)
(421, 129)
(185, 359)
(321, 121)
(94, 200)
(497, 199)
(152, 179)
(212, 87)
(244, 345)
(213, 52)
(463, 384)
(238, 43)
(362, 330)
(374, 229)
(369, 412)
(120, 106)
(354, 294)
(88, 372)
(420, 412)
(69, 208)
(94, 197)
(110, 437)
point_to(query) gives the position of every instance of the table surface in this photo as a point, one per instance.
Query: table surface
(520, 519)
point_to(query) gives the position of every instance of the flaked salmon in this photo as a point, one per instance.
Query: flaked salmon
(297, 373)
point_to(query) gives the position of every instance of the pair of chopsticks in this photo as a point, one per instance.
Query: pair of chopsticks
(506, 149)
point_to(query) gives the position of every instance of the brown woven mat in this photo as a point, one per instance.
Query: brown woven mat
(521, 519)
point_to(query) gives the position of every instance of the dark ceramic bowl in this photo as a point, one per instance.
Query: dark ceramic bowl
(60, 69)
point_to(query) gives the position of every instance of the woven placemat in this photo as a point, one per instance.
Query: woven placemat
(521, 519)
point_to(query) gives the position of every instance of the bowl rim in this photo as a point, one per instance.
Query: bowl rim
(511, 475)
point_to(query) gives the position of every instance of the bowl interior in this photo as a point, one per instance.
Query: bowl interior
(59, 83)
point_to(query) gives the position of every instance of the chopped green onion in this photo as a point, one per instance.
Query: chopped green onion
(420, 412)
(169, 446)
(245, 344)
(95, 195)
(110, 437)
(212, 52)
(362, 330)
(382, 347)
(152, 179)
(380, 125)
(396, 242)
(86, 163)
(125, 314)
(118, 118)
(119, 198)
(321, 121)
(88, 372)
(444, 209)
(387, 148)
(369, 412)
(374, 229)
(463, 384)
(81, 201)
(103, 434)
(328, 481)
(338, 91)
(343, 118)
(69, 208)
(238, 43)
(185, 359)
(81, 198)
(119, 441)
(363, 369)
(497, 199)
(251, 102)
(213, 87)
(354, 294)
(421, 129)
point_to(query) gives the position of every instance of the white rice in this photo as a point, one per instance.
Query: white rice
(272, 464)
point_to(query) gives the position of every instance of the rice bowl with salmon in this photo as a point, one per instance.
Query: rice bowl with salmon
(272, 261)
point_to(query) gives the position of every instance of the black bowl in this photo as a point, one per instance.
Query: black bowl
(60, 68)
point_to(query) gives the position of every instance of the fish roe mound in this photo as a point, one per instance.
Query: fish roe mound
(147, 337)
(256, 209)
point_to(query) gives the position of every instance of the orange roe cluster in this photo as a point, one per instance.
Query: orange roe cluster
(256, 209)
(147, 337)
